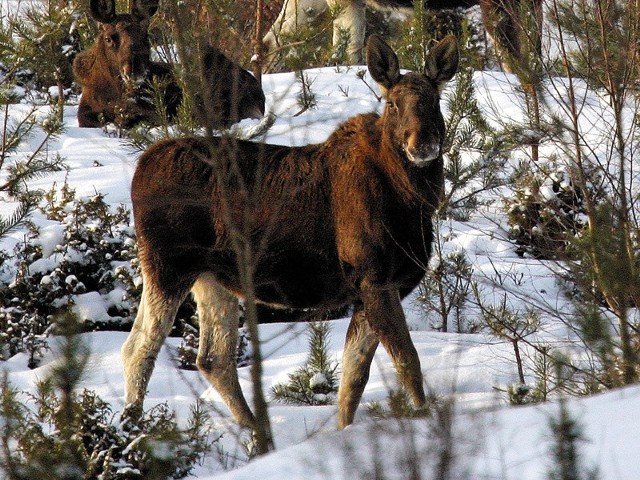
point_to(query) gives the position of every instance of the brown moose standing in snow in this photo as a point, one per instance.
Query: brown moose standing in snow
(346, 221)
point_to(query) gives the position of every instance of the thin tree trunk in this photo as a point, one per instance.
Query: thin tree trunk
(256, 61)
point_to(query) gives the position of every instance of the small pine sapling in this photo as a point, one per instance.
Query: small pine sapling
(306, 97)
(315, 383)
(511, 325)
(49, 38)
(545, 381)
(567, 435)
(17, 171)
(188, 349)
(474, 160)
(446, 288)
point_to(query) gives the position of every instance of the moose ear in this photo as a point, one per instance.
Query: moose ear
(382, 62)
(103, 11)
(442, 62)
(144, 9)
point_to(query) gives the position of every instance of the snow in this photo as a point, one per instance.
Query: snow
(498, 444)
(491, 440)
(90, 306)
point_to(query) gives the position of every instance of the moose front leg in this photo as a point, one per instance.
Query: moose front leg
(156, 313)
(384, 314)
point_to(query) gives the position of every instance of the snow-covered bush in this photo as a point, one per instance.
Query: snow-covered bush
(101, 446)
(187, 351)
(59, 433)
(545, 212)
(83, 259)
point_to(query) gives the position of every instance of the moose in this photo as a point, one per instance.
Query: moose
(346, 221)
(502, 19)
(117, 75)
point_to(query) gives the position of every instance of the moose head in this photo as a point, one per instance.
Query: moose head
(412, 121)
(124, 38)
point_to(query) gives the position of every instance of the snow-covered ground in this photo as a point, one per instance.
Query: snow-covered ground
(491, 440)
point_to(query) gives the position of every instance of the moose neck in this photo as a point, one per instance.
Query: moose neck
(111, 69)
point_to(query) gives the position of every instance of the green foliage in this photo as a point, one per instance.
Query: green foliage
(567, 436)
(399, 405)
(11, 59)
(311, 44)
(23, 330)
(446, 287)
(19, 170)
(46, 36)
(227, 24)
(96, 252)
(306, 97)
(545, 371)
(474, 161)
(606, 253)
(608, 32)
(425, 28)
(509, 324)
(60, 434)
(142, 135)
(603, 253)
(187, 351)
(188, 348)
(604, 282)
(316, 383)
(545, 211)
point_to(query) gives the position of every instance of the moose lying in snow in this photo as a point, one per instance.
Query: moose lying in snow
(116, 75)
(347, 221)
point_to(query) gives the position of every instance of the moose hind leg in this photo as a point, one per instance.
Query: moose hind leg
(219, 315)
(351, 22)
(384, 313)
(359, 348)
(152, 325)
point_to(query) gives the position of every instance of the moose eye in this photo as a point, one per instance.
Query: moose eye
(111, 40)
